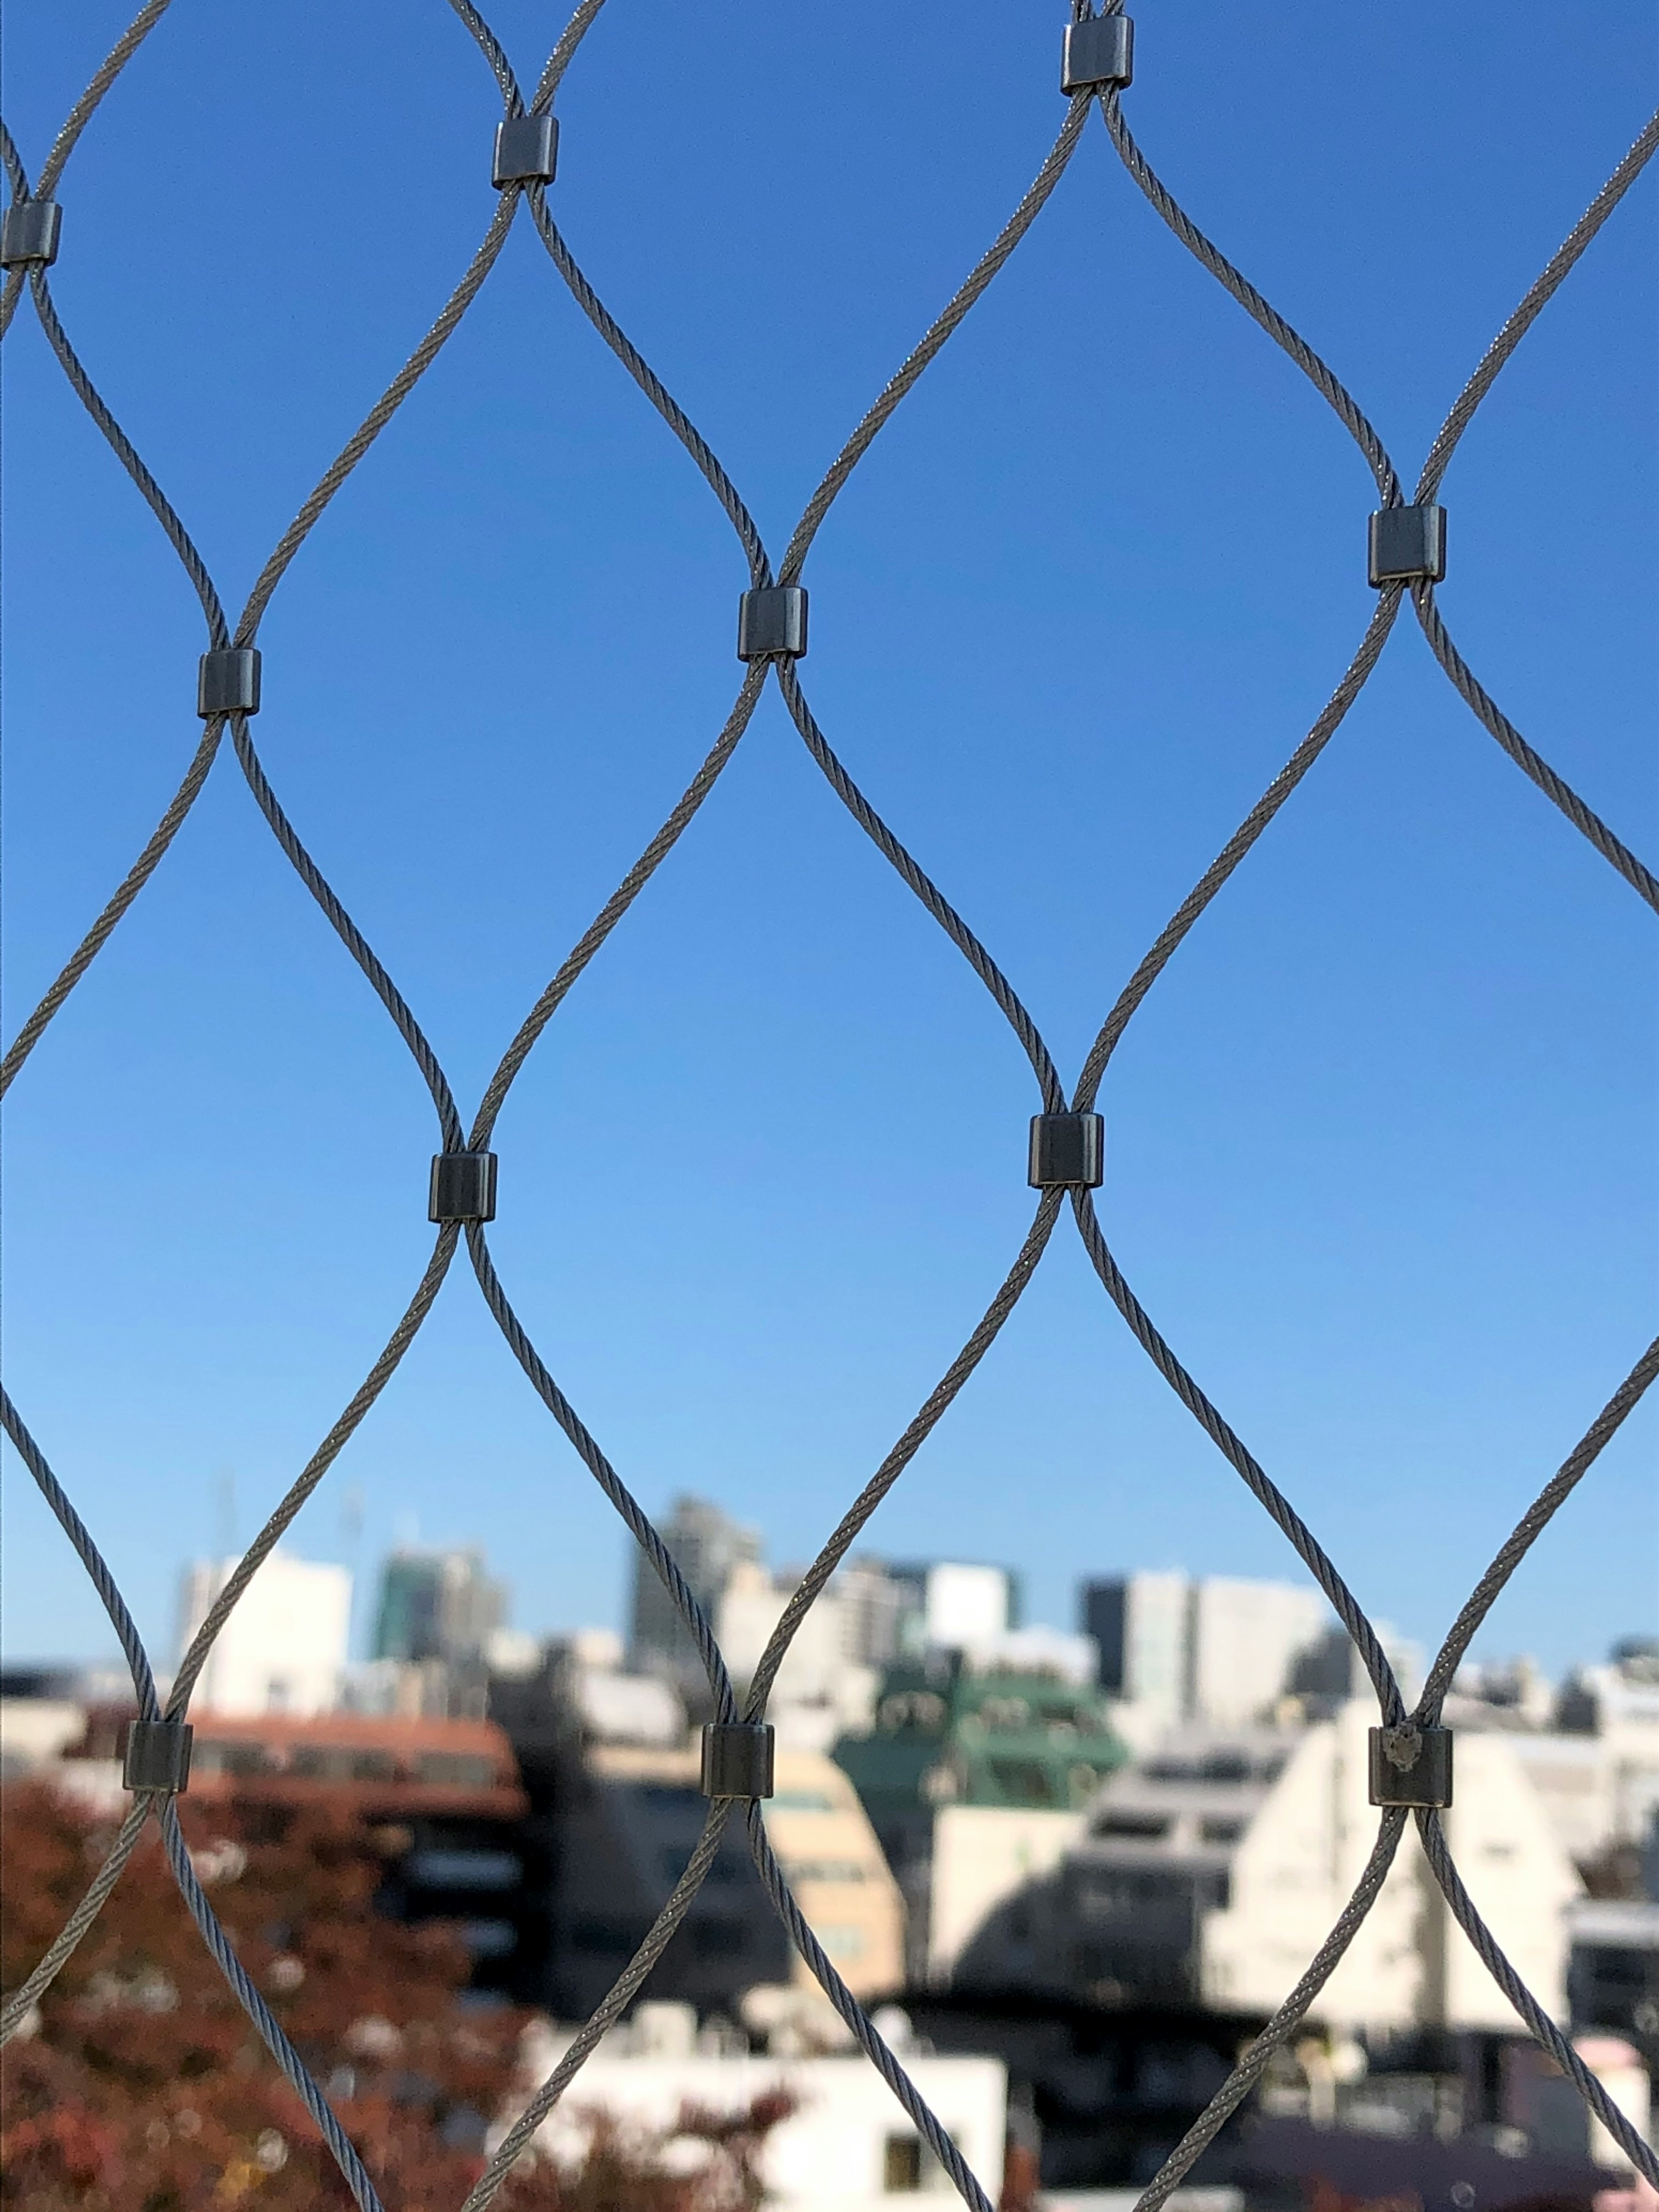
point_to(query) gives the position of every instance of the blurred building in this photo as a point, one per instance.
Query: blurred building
(440, 1801)
(1139, 1625)
(1618, 1706)
(821, 1690)
(945, 1604)
(437, 1605)
(1613, 1979)
(282, 1649)
(975, 1775)
(1325, 1675)
(1220, 1650)
(626, 1824)
(706, 1546)
(845, 2146)
(1212, 1871)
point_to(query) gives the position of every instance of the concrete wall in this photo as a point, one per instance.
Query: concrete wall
(984, 1855)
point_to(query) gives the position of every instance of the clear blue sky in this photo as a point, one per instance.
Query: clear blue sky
(1381, 1157)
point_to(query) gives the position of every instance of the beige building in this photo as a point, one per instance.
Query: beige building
(628, 1827)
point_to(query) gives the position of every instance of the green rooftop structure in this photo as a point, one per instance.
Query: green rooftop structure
(961, 1745)
(948, 1735)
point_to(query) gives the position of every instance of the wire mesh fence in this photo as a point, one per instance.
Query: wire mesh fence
(1411, 1765)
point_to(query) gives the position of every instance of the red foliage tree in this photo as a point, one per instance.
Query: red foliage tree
(145, 2087)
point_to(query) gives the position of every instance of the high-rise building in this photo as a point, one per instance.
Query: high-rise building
(437, 1605)
(282, 1649)
(1140, 1623)
(706, 1545)
(1246, 1638)
(946, 1604)
(870, 1602)
(1218, 1651)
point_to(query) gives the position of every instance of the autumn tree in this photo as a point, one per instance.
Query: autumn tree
(141, 2086)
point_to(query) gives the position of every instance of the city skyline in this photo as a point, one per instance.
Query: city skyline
(423, 1601)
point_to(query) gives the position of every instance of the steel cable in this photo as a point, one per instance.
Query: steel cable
(519, 2136)
(853, 2016)
(1543, 2029)
(1290, 2015)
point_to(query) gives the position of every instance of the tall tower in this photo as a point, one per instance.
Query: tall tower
(706, 1546)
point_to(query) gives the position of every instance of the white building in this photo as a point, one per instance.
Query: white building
(822, 1690)
(987, 1881)
(964, 1605)
(1619, 1705)
(1139, 1623)
(283, 1648)
(1218, 1650)
(848, 2145)
(1213, 1871)
(1245, 1640)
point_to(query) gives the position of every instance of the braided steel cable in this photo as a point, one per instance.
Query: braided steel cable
(1538, 297)
(760, 568)
(616, 906)
(20, 2003)
(1002, 991)
(949, 320)
(1285, 2022)
(1311, 1552)
(1007, 999)
(518, 2138)
(853, 2014)
(1531, 1525)
(449, 1118)
(1554, 788)
(1641, 2154)
(316, 1467)
(1174, 930)
(1289, 340)
(637, 1521)
(944, 1394)
(294, 2069)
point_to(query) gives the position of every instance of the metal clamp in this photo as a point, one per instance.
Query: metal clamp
(28, 232)
(1098, 52)
(228, 681)
(771, 624)
(157, 1756)
(737, 1758)
(526, 150)
(1068, 1151)
(1408, 544)
(1411, 1765)
(463, 1187)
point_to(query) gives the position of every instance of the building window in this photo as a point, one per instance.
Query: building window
(318, 1762)
(842, 1943)
(459, 1769)
(900, 2164)
(241, 1760)
(1148, 1827)
(824, 1870)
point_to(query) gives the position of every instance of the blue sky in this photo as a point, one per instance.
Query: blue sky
(1381, 1156)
